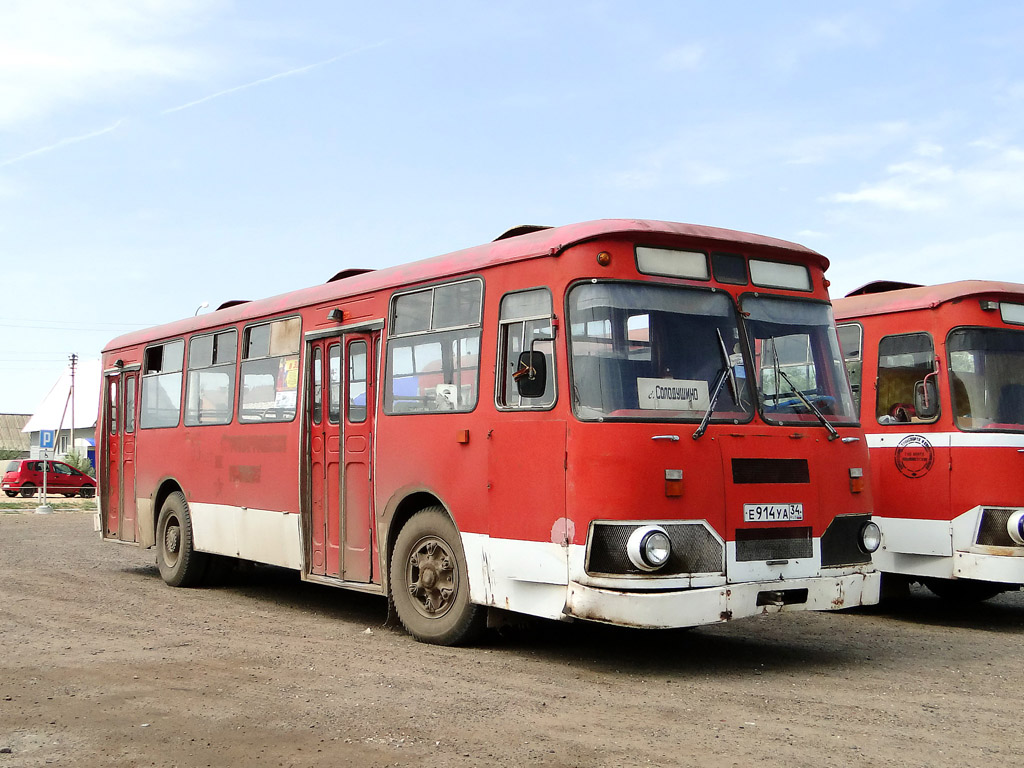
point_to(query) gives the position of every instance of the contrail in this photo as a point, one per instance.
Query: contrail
(278, 76)
(61, 143)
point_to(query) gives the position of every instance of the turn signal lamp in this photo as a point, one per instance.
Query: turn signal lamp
(673, 482)
(856, 480)
(604, 258)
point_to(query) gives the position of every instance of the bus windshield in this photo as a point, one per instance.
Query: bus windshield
(642, 351)
(800, 372)
(985, 367)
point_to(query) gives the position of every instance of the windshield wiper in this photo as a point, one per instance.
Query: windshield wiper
(779, 373)
(715, 392)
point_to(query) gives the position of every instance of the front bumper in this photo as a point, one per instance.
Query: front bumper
(711, 605)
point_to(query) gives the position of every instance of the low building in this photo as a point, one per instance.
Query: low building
(50, 427)
(14, 444)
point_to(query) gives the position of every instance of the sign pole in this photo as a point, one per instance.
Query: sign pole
(44, 508)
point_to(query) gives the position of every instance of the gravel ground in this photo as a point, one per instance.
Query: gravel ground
(104, 665)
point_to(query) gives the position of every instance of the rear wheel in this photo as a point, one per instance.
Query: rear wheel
(964, 590)
(87, 492)
(429, 582)
(179, 563)
(27, 490)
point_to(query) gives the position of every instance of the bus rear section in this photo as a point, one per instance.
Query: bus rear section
(640, 423)
(938, 372)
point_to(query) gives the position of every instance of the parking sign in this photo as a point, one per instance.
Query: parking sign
(46, 438)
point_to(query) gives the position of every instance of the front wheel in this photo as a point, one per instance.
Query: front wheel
(11, 494)
(964, 590)
(176, 557)
(429, 582)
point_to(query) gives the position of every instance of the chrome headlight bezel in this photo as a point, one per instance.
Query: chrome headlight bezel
(649, 547)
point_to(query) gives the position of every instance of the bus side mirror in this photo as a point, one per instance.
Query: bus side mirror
(926, 399)
(531, 374)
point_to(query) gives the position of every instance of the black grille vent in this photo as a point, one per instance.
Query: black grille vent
(773, 544)
(746, 471)
(992, 531)
(694, 550)
(840, 544)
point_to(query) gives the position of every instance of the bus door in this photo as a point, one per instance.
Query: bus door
(340, 417)
(119, 458)
(324, 357)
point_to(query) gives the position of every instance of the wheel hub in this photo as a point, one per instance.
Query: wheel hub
(432, 577)
(172, 539)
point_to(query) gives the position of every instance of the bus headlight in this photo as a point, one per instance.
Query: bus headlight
(870, 537)
(649, 547)
(1015, 527)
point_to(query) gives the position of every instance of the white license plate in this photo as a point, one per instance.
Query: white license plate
(772, 513)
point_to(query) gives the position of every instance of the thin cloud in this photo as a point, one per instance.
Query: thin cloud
(278, 76)
(61, 144)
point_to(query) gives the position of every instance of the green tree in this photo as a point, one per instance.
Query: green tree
(8, 453)
(79, 462)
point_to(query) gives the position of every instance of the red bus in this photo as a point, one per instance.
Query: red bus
(939, 374)
(633, 422)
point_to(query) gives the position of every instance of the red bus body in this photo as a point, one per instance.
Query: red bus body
(946, 474)
(545, 491)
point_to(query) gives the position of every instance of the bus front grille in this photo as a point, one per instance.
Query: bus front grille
(773, 544)
(992, 529)
(695, 549)
(841, 542)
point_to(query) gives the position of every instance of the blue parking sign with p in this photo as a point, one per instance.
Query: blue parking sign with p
(46, 438)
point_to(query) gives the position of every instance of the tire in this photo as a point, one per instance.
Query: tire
(179, 563)
(11, 494)
(429, 584)
(87, 492)
(964, 590)
(28, 490)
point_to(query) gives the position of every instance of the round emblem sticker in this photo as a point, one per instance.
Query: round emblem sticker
(914, 456)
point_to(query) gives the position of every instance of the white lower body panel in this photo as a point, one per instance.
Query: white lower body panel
(945, 549)
(260, 535)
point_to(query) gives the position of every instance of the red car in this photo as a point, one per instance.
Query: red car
(25, 476)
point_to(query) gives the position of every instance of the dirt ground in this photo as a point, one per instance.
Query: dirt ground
(104, 665)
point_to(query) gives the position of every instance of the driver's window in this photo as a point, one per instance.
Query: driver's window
(905, 363)
(525, 326)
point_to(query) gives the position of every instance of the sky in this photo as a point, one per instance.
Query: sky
(159, 155)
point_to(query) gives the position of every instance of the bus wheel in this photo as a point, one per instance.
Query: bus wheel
(179, 563)
(28, 490)
(964, 590)
(429, 582)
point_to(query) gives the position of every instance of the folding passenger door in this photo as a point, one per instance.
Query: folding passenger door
(340, 415)
(323, 403)
(118, 458)
(357, 464)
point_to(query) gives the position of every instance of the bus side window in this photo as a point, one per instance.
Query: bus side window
(525, 326)
(433, 353)
(270, 371)
(904, 362)
(161, 385)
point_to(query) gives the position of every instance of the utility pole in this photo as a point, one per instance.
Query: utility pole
(74, 362)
